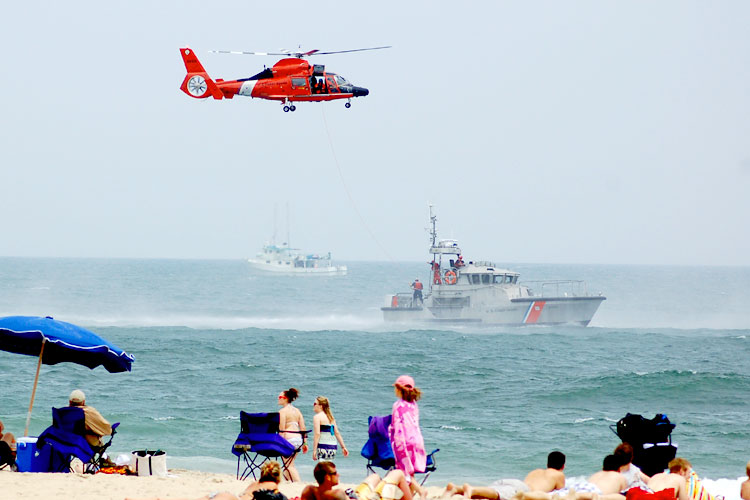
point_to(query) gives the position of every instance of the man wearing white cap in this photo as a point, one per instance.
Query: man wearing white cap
(96, 425)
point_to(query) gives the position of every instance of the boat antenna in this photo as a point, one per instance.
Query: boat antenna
(433, 232)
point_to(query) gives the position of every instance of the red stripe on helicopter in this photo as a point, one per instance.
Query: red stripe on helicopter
(534, 311)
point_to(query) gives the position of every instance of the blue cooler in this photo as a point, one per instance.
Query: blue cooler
(28, 458)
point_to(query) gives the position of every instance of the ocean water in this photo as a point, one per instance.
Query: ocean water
(212, 338)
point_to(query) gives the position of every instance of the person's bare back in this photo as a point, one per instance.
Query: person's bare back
(609, 481)
(545, 480)
(667, 480)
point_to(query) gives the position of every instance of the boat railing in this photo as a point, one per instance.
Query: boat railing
(557, 288)
(402, 301)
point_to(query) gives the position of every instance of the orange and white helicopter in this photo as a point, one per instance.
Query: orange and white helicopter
(290, 80)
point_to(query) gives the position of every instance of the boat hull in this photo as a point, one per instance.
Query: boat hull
(518, 311)
(289, 269)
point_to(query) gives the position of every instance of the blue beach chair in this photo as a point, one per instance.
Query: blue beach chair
(64, 439)
(259, 441)
(378, 452)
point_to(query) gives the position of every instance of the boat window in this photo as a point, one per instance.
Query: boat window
(475, 279)
(486, 279)
(515, 279)
(499, 279)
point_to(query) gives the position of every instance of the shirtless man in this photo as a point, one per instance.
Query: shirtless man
(609, 480)
(392, 487)
(545, 480)
(673, 484)
(745, 488)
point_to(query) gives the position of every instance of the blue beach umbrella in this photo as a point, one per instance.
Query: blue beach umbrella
(59, 342)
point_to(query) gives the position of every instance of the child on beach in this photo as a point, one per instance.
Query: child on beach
(404, 432)
(325, 432)
(7, 447)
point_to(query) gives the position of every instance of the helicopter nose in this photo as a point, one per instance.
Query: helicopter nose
(360, 91)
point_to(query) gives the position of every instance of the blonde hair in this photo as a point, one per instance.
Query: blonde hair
(270, 471)
(679, 464)
(408, 394)
(326, 407)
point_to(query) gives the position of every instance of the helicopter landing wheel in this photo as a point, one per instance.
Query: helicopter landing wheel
(292, 108)
(348, 105)
(286, 109)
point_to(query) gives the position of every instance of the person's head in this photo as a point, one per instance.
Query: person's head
(405, 389)
(288, 396)
(270, 471)
(680, 466)
(612, 463)
(747, 467)
(321, 402)
(556, 460)
(625, 452)
(77, 398)
(326, 470)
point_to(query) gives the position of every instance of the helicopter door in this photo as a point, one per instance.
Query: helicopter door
(332, 88)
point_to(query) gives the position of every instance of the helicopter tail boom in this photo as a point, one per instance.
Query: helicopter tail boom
(197, 83)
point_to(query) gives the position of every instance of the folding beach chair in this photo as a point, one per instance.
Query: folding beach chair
(259, 441)
(65, 438)
(651, 441)
(378, 452)
(100, 459)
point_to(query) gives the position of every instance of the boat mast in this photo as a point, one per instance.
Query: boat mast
(433, 235)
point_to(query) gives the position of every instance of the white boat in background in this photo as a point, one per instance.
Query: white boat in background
(482, 292)
(282, 259)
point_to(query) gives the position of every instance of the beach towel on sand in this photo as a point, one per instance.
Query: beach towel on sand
(696, 490)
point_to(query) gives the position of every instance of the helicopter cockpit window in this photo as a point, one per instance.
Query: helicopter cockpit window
(332, 88)
(341, 80)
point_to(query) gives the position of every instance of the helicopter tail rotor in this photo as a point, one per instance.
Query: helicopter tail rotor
(197, 83)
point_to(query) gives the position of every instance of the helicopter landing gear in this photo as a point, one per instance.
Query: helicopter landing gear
(348, 105)
(289, 107)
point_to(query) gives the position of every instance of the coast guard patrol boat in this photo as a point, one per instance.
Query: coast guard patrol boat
(482, 292)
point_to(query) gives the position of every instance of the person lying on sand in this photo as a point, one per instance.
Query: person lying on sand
(544, 480)
(666, 485)
(392, 487)
(265, 488)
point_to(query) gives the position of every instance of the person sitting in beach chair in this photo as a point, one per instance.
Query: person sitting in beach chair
(544, 480)
(392, 487)
(66, 440)
(7, 448)
(265, 488)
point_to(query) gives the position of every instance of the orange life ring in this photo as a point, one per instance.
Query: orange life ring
(450, 278)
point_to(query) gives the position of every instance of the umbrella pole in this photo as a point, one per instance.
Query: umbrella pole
(33, 391)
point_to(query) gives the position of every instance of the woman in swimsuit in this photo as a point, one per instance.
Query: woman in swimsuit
(325, 432)
(291, 423)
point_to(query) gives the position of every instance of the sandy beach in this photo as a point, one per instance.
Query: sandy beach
(179, 483)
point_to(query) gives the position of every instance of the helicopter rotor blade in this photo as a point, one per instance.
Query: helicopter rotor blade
(316, 52)
(352, 50)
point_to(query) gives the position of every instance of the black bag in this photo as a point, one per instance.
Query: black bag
(651, 441)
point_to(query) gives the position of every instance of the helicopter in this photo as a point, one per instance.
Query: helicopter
(290, 80)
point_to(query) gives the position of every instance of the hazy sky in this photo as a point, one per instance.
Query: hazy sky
(542, 131)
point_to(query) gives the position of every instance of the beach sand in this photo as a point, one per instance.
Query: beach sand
(178, 484)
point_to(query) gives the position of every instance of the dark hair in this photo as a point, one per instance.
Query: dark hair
(625, 452)
(408, 394)
(612, 463)
(556, 460)
(322, 470)
(291, 394)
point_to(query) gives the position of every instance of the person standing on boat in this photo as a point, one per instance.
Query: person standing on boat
(417, 287)
(436, 280)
